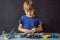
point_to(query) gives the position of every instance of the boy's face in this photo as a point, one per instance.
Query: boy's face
(30, 13)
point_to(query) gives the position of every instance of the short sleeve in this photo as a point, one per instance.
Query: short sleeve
(21, 20)
(39, 22)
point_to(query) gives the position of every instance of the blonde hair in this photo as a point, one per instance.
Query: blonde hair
(28, 5)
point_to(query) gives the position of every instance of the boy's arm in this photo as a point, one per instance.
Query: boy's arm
(39, 28)
(20, 28)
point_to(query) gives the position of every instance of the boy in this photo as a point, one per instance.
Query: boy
(29, 23)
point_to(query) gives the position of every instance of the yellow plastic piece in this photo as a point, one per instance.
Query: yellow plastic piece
(3, 32)
(46, 36)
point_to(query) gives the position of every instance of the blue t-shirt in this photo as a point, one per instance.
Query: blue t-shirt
(29, 22)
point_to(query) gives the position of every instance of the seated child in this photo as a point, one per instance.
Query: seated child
(29, 23)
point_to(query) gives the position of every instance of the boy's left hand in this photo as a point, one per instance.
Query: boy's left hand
(33, 30)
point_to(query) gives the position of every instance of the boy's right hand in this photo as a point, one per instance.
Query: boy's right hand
(26, 31)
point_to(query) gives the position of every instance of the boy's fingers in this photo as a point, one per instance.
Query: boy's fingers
(27, 31)
(33, 31)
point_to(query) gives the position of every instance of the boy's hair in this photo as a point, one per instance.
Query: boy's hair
(28, 5)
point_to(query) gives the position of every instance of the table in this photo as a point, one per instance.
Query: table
(18, 38)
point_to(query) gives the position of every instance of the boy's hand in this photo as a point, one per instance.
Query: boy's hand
(33, 30)
(26, 31)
